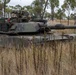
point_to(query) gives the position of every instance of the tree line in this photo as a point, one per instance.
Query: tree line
(38, 8)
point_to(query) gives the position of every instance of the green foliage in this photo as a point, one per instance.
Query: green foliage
(69, 5)
(53, 4)
(39, 7)
(1, 6)
(18, 7)
(29, 9)
(36, 5)
(60, 14)
(6, 1)
(47, 15)
(72, 16)
(8, 10)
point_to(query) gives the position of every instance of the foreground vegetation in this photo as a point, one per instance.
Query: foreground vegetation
(52, 58)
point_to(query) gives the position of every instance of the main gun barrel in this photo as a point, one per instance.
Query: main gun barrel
(60, 26)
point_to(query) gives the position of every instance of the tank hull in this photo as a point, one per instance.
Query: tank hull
(6, 40)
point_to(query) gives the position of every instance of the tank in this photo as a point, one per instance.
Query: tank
(36, 32)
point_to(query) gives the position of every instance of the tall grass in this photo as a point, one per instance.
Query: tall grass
(52, 58)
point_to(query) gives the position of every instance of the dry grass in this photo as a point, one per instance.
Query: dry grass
(54, 58)
(65, 22)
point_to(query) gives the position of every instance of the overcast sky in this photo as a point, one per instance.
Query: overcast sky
(24, 2)
(20, 2)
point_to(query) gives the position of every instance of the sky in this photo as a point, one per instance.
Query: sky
(20, 2)
(26, 2)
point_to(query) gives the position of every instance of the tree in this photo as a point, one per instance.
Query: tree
(39, 7)
(12, 7)
(46, 2)
(60, 14)
(53, 5)
(8, 10)
(1, 7)
(18, 7)
(4, 2)
(68, 6)
(72, 16)
(47, 15)
(29, 9)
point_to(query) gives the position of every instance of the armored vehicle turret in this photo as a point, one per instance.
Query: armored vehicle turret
(35, 28)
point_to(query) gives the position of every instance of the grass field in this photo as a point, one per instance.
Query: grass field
(65, 22)
(52, 58)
